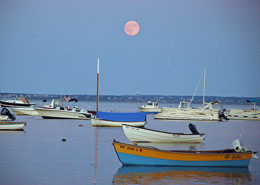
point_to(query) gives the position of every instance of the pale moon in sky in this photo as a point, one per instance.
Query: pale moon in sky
(132, 28)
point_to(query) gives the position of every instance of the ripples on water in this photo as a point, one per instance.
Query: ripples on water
(39, 156)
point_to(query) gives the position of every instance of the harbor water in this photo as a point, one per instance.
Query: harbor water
(73, 152)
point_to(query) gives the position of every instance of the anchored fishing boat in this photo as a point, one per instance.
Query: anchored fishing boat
(135, 134)
(150, 107)
(129, 154)
(58, 111)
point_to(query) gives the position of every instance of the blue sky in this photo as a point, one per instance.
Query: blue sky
(52, 47)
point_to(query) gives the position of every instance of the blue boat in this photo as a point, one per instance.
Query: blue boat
(129, 154)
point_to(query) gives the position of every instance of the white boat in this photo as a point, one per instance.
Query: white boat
(186, 112)
(150, 107)
(245, 114)
(30, 111)
(206, 113)
(4, 118)
(117, 119)
(12, 125)
(135, 134)
(55, 111)
(19, 102)
(25, 111)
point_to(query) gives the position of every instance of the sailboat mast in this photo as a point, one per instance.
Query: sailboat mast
(97, 82)
(204, 84)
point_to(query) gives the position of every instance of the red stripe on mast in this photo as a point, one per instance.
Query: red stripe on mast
(97, 82)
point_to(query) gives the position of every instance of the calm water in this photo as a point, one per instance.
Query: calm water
(39, 156)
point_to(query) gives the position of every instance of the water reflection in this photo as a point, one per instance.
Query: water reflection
(181, 175)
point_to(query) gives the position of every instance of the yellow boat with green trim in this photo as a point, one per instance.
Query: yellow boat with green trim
(129, 154)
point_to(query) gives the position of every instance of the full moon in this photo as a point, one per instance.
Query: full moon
(132, 28)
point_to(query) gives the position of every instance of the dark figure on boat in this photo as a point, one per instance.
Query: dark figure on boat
(222, 114)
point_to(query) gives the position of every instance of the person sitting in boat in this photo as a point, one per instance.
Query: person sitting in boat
(222, 113)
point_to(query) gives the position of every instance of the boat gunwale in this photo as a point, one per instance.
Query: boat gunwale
(197, 152)
(172, 133)
(11, 123)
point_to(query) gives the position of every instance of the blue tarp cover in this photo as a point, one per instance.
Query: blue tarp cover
(254, 100)
(120, 116)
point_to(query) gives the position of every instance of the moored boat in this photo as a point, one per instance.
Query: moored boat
(8, 125)
(150, 107)
(25, 111)
(185, 112)
(117, 119)
(245, 114)
(129, 154)
(135, 134)
(55, 111)
(19, 102)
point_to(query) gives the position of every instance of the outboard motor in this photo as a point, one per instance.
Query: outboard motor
(7, 112)
(222, 114)
(193, 129)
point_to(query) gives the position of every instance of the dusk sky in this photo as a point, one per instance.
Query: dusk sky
(51, 47)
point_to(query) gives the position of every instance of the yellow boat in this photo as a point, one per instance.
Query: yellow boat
(129, 154)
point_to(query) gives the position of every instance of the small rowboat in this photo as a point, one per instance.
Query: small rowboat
(12, 125)
(129, 154)
(136, 134)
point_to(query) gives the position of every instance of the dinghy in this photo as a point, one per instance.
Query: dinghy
(8, 125)
(135, 134)
(129, 154)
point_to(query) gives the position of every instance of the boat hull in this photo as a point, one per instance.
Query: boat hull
(59, 114)
(240, 114)
(12, 125)
(188, 114)
(146, 135)
(105, 123)
(25, 111)
(143, 109)
(136, 155)
(10, 104)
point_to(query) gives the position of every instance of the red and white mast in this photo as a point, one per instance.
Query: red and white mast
(97, 81)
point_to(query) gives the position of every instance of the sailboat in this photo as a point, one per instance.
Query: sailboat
(185, 112)
(116, 119)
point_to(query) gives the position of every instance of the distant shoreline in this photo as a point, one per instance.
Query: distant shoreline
(132, 98)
